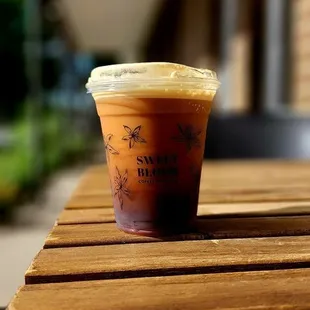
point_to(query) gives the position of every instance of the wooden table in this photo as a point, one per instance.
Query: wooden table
(252, 250)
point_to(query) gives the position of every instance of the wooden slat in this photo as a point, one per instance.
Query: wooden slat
(257, 195)
(106, 215)
(255, 209)
(229, 167)
(90, 201)
(86, 216)
(93, 185)
(221, 182)
(219, 195)
(222, 173)
(94, 180)
(209, 196)
(151, 259)
(259, 173)
(101, 234)
(255, 227)
(285, 289)
(226, 175)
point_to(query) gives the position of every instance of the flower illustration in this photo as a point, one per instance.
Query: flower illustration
(120, 188)
(189, 136)
(133, 136)
(109, 148)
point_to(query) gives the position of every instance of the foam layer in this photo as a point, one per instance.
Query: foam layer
(151, 77)
(146, 70)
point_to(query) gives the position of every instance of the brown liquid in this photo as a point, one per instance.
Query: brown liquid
(154, 151)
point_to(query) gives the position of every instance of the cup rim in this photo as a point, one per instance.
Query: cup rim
(159, 76)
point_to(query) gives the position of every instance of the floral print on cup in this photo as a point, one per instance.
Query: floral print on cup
(108, 147)
(133, 136)
(120, 186)
(189, 136)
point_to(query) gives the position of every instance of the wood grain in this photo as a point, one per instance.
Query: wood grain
(255, 209)
(285, 289)
(250, 211)
(255, 195)
(106, 215)
(90, 201)
(159, 259)
(255, 181)
(86, 216)
(255, 227)
(221, 182)
(102, 234)
(207, 196)
(231, 174)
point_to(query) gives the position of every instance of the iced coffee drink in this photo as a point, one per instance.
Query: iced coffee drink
(154, 121)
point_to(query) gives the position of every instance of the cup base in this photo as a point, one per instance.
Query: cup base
(157, 232)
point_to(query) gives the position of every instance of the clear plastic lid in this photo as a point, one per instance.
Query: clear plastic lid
(133, 77)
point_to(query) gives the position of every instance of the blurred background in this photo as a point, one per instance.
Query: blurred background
(49, 130)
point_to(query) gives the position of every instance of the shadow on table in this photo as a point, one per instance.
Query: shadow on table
(257, 226)
(292, 221)
(279, 212)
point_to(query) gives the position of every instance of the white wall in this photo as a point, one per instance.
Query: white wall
(110, 25)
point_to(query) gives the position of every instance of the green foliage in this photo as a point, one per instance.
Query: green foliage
(15, 162)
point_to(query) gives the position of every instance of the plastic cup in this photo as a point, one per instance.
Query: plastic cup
(154, 121)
